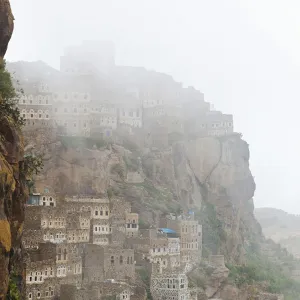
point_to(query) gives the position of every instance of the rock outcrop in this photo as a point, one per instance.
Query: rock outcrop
(12, 180)
(6, 26)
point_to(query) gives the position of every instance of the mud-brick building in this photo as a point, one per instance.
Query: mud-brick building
(101, 263)
(169, 285)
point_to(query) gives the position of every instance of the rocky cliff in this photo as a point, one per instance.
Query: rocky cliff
(209, 175)
(188, 175)
(12, 172)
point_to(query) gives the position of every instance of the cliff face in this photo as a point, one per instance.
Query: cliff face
(12, 182)
(189, 175)
(12, 199)
(209, 175)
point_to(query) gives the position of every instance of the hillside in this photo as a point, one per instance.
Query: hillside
(209, 175)
(281, 227)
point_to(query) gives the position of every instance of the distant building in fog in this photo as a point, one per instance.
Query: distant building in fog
(89, 57)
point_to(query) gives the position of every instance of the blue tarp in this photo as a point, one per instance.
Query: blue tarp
(167, 230)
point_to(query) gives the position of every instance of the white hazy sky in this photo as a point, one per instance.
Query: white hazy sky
(243, 54)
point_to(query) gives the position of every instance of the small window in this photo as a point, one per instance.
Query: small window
(31, 115)
(30, 296)
(40, 115)
(112, 260)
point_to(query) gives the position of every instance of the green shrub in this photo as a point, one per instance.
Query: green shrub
(132, 164)
(13, 291)
(9, 98)
(119, 170)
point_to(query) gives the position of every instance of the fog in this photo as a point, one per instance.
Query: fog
(243, 55)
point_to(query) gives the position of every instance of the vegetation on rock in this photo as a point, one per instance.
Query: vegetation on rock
(9, 98)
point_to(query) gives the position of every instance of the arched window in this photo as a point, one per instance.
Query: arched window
(30, 296)
(121, 259)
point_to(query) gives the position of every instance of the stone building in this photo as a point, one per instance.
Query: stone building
(101, 263)
(104, 119)
(130, 113)
(41, 281)
(95, 290)
(36, 106)
(190, 232)
(89, 57)
(169, 285)
(132, 224)
(101, 232)
(47, 200)
(49, 289)
(193, 104)
(98, 208)
(212, 123)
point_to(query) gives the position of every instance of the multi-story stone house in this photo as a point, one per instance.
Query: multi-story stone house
(73, 117)
(69, 263)
(89, 57)
(78, 227)
(101, 263)
(132, 224)
(47, 200)
(190, 232)
(167, 116)
(212, 123)
(101, 232)
(130, 113)
(98, 291)
(98, 208)
(41, 281)
(36, 106)
(103, 119)
(169, 285)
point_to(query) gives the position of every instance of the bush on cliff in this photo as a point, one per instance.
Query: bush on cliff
(9, 98)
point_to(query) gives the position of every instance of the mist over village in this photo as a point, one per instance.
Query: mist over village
(124, 181)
